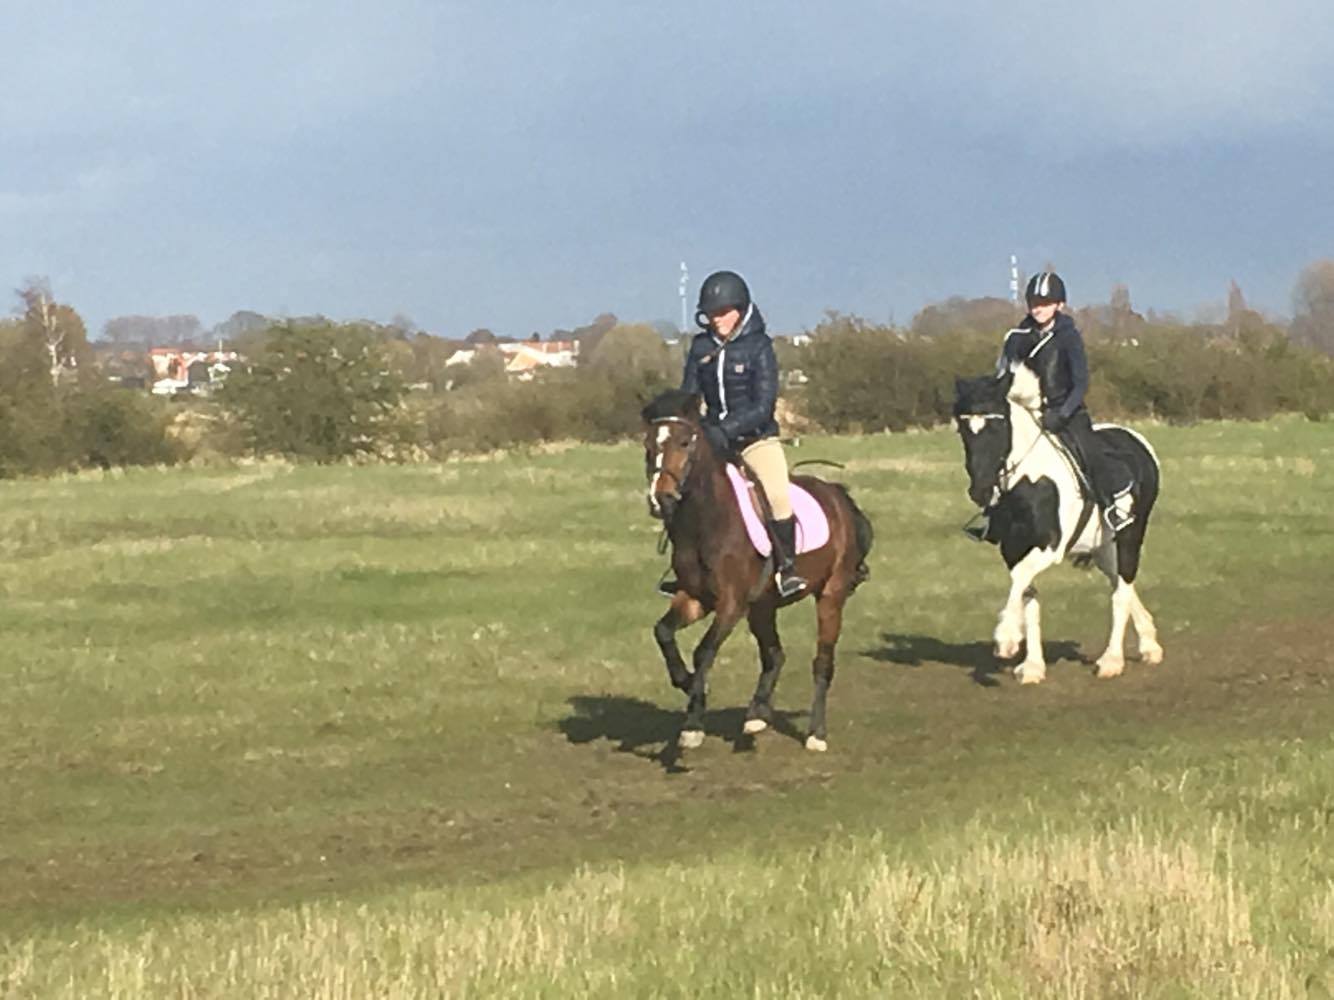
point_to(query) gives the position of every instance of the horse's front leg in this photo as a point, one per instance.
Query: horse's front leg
(763, 618)
(1021, 614)
(684, 610)
(725, 618)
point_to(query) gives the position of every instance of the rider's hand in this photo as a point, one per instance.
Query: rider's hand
(1052, 420)
(717, 438)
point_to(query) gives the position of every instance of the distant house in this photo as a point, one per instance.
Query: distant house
(524, 359)
(177, 369)
(463, 356)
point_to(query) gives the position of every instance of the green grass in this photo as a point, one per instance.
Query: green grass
(361, 711)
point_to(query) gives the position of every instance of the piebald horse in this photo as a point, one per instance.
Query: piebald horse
(719, 569)
(1041, 513)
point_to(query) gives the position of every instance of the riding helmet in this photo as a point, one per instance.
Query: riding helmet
(1044, 289)
(721, 291)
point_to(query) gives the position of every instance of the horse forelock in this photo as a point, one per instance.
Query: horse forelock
(984, 395)
(672, 403)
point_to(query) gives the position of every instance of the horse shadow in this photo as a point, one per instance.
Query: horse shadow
(649, 731)
(976, 657)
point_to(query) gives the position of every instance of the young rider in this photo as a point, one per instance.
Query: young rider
(1048, 341)
(732, 365)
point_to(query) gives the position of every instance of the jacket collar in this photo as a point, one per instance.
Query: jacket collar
(752, 322)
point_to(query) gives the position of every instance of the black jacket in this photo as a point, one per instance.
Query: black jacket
(738, 379)
(1058, 359)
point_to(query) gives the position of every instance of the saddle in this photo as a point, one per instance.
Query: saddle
(812, 523)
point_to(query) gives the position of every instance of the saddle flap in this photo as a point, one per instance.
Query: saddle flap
(812, 523)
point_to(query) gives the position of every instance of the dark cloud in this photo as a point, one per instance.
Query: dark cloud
(523, 165)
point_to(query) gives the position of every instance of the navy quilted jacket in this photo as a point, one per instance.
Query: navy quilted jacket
(738, 379)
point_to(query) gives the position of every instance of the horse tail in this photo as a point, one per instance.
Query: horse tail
(863, 533)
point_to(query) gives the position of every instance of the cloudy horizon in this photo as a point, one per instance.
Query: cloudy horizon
(510, 166)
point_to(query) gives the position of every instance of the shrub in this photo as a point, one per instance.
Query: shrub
(316, 391)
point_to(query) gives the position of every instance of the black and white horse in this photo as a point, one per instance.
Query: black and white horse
(1041, 513)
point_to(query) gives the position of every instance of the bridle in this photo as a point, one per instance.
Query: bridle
(1005, 474)
(657, 472)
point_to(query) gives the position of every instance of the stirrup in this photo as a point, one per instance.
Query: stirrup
(789, 584)
(978, 532)
(1117, 520)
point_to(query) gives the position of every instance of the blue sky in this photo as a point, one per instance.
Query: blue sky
(526, 165)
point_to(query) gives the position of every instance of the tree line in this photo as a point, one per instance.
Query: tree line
(319, 390)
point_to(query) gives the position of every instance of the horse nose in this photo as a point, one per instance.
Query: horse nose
(666, 505)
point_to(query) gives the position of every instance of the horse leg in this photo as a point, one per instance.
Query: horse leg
(725, 617)
(1034, 667)
(1149, 649)
(829, 618)
(1021, 609)
(763, 620)
(1113, 661)
(1127, 605)
(684, 610)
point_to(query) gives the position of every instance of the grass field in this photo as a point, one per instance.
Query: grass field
(348, 732)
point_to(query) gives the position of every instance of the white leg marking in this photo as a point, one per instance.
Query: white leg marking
(814, 742)
(1010, 629)
(753, 726)
(1113, 661)
(690, 739)
(1149, 649)
(1034, 667)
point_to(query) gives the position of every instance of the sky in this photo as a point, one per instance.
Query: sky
(524, 166)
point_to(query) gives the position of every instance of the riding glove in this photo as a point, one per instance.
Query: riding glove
(1052, 420)
(718, 439)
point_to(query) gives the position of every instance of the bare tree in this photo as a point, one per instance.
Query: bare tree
(55, 325)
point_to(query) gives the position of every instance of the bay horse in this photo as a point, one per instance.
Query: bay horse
(1041, 513)
(719, 570)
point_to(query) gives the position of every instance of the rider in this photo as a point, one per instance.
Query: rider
(732, 365)
(1048, 341)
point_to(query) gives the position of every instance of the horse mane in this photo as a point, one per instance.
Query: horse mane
(672, 403)
(984, 394)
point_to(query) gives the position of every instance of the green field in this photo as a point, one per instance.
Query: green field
(403, 731)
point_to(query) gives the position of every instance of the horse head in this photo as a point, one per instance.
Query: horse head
(673, 439)
(982, 417)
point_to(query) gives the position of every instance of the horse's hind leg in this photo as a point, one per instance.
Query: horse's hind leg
(763, 620)
(1127, 605)
(829, 616)
(1150, 651)
(725, 617)
(684, 610)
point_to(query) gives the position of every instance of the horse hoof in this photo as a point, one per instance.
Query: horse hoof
(690, 739)
(1152, 655)
(754, 726)
(1029, 673)
(1110, 667)
(1006, 650)
(814, 742)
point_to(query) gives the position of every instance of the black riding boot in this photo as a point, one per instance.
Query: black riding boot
(784, 536)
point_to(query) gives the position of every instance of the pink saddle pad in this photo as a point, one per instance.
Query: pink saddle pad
(812, 525)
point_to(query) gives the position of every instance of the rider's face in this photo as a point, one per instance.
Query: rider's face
(1044, 312)
(725, 323)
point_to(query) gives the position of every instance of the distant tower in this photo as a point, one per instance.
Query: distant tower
(1014, 279)
(685, 282)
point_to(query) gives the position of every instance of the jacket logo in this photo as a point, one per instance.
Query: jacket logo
(738, 368)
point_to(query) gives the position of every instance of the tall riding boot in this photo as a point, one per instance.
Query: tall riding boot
(784, 536)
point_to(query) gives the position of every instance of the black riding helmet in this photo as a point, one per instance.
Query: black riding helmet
(721, 291)
(1044, 289)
